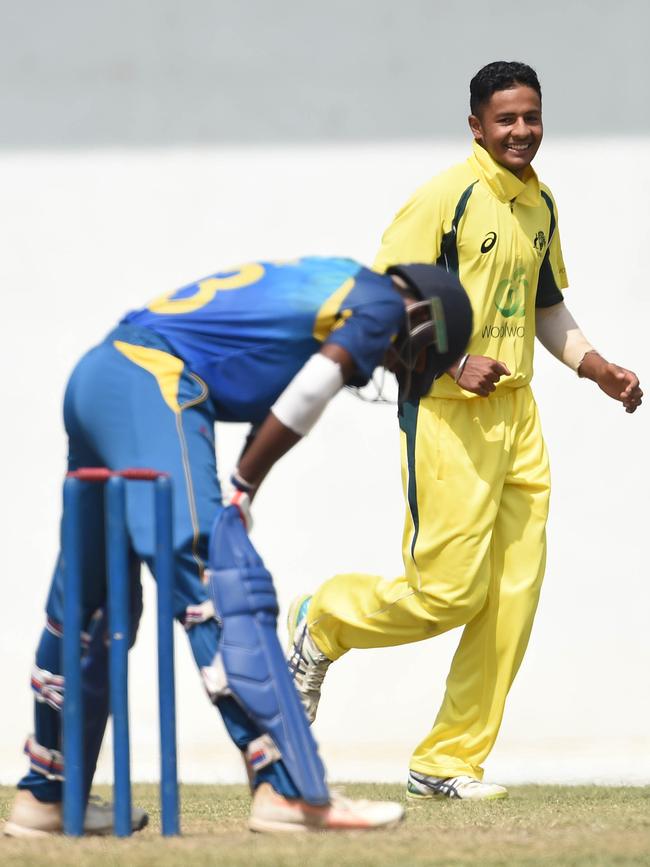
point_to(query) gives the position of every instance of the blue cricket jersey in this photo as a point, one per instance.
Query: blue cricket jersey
(246, 332)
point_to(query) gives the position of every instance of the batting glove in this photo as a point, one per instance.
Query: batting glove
(239, 495)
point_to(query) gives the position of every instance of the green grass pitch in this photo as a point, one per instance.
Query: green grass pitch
(592, 826)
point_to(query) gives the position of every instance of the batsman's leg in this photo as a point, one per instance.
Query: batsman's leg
(172, 433)
(38, 806)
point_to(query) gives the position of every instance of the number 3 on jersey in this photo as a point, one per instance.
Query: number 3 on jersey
(197, 295)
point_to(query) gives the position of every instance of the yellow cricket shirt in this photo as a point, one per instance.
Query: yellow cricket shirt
(500, 235)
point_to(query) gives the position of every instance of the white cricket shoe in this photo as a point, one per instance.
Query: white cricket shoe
(420, 788)
(308, 666)
(273, 813)
(33, 818)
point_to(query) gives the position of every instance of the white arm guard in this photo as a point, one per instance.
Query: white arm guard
(301, 403)
(558, 331)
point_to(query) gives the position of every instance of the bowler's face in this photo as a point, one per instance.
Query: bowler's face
(509, 127)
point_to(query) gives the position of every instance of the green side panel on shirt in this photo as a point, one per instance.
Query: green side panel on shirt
(548, 293)
(408, 419)
(448, 258)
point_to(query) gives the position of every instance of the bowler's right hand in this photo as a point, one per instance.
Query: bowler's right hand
(480, 374)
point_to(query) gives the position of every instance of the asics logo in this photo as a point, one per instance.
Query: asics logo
(489, 242)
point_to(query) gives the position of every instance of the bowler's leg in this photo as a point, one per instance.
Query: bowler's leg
(452, 488)
(494, 642)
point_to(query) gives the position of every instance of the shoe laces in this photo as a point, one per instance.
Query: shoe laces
(307, 664)
(465, 780)
(342, 802)
(98, 802)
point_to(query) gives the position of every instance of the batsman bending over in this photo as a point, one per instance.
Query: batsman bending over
(268, 344)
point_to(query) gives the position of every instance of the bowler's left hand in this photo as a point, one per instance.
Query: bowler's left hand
(620, 384)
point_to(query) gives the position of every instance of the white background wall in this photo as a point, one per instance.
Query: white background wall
(89, 234)
(167, 72)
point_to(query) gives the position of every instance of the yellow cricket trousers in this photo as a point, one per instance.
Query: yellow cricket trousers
(477, 483)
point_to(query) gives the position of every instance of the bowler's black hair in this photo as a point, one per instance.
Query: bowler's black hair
(500, 75)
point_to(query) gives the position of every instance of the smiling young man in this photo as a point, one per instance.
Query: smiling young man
(475, 467)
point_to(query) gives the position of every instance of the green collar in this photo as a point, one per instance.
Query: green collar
(502, 183)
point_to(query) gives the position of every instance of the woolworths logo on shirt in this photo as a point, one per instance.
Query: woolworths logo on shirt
(509, 329)
(510, 297)
(510, 301)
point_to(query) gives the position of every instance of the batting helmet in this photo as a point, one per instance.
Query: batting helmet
(437, 329)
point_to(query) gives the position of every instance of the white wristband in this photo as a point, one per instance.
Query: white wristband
(301, 403)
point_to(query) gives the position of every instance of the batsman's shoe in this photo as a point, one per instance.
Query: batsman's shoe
(33, 818)
(273, 813)
(308, 666)
(99, 814)
(421, 788)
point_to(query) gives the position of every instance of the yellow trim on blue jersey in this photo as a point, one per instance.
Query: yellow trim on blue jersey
(166, 368)
(207, 289)
(343, 317)
(329, 311)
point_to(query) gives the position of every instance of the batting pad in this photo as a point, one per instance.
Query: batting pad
(251, 656)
